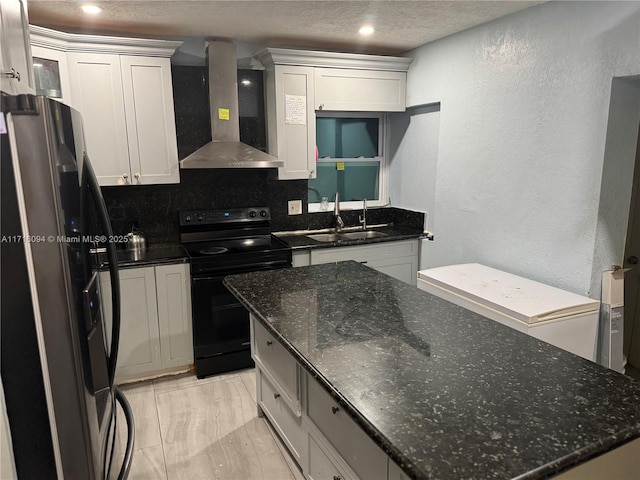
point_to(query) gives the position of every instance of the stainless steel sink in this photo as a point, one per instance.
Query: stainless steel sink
(334, 237)
(362, 235)
(326, 237)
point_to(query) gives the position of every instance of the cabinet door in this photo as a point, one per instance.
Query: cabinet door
(63, 70)
(403, 268)
(173, 289)
(139, 349)
(151, 127)
(96, 90)
(15, 61)
(291, 120)
(341, 89)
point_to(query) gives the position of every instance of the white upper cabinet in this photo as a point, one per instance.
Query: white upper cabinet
(300, 82)
(151, 126)
(15, 58)
(96, 87)
(291, 120)
(122, 87)
(343, 89)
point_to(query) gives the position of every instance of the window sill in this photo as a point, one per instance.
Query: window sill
(315, 207)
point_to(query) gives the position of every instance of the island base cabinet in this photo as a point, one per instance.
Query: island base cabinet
(324, 441)
(366, 459)
(281, 417)
(396, 473)
(277, 364)
(320, 466)
(623, 463)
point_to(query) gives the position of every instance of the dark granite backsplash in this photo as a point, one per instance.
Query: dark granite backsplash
(155, 207)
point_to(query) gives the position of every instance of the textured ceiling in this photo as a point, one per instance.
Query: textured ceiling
(332, 25)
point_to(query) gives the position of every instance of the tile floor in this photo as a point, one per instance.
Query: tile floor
(204, 429)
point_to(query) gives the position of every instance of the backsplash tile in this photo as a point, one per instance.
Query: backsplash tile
(155, 207)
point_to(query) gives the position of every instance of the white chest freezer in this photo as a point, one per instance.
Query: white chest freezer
(558, 317)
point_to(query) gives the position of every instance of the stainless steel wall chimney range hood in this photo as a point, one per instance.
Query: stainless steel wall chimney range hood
(226, 150)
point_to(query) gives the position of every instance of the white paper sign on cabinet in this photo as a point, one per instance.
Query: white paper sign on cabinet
(295, 110)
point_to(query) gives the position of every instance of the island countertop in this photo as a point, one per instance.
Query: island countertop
(445, 392)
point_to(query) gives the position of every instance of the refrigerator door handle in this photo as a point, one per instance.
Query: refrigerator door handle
(89, 178)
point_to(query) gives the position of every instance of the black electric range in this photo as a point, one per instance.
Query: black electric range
(220, 243)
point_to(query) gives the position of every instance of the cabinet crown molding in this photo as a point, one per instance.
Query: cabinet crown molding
(82, 43)
(311, 58)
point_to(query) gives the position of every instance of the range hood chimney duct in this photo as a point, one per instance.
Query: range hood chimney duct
(225, 150)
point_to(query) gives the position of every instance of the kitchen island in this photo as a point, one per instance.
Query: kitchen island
(444, 392)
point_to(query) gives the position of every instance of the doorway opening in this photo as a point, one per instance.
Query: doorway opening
(631, 343)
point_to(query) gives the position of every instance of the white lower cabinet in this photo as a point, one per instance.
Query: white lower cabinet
(285, 421)
(155, 323)
(398, 259)
(321, 466)
(324, 441)
(364, 457)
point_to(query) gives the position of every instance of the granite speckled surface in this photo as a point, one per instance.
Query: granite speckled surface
(445, 392)
(392, 233)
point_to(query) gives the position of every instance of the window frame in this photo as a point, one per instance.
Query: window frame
(314, 207)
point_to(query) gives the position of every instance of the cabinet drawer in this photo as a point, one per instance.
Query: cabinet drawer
(320, 466)
(278, 364)
(354, 445)
(284, 421)
(365, 253)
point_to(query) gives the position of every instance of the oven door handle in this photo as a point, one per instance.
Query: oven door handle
(207, 279)
(219, 276)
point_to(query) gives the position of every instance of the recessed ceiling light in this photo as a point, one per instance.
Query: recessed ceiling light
(366, 30)
(91, 9)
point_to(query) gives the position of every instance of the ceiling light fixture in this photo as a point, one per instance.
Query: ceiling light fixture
(366, 30)
(91, 9)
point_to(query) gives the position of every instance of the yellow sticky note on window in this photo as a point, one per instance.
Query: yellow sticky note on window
(223, 113)
(339, 165)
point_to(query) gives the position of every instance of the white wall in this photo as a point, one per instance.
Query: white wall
(524, 103)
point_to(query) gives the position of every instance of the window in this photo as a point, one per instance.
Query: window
(350, 160)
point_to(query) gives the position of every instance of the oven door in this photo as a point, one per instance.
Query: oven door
(220, 322)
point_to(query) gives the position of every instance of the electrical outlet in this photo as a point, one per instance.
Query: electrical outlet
(295, 207)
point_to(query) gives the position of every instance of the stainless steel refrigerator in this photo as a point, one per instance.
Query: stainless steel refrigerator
(57, 367)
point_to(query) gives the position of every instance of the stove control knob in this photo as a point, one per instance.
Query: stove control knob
(187, 218)
(199, 217)
(263, 213)
(252, 213)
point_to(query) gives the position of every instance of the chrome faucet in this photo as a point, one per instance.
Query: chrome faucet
(363, 218)
(336, 213)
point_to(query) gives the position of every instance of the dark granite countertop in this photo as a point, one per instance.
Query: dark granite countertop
(445, 392)
(156, 254)
(392, 234)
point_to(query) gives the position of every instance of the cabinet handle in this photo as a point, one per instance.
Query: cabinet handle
(269, 343)
(321, 106)
(125, 175)
(335, 410)
(137, 175)
(276, 396)
(337, 477)
(12, 74)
